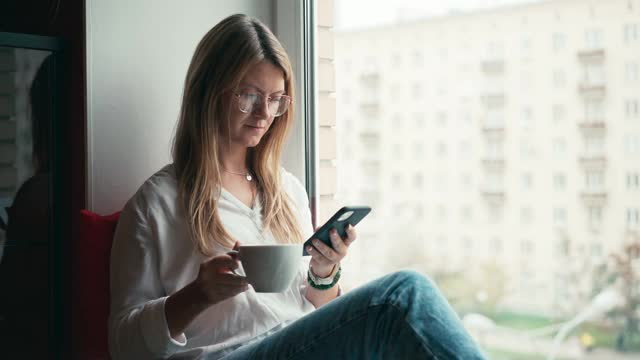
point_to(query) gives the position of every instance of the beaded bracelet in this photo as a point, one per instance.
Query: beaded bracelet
(336, 277)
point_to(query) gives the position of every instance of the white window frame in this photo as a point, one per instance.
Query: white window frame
(295, 27)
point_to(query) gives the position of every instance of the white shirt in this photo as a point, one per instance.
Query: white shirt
(153, 257)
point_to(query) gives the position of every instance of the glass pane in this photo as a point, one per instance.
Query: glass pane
(25, 126)
(510, 191)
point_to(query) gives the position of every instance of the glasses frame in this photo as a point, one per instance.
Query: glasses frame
(265, 98)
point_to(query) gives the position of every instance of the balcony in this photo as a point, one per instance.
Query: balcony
(592, 126)
(593, 161)
(493, 66)
(494, 196)
(494, 99)
(370, 110)
(591, 56)
(493, 130)
(592, 90)
(594, 197)
(493, 162)
(370, 80)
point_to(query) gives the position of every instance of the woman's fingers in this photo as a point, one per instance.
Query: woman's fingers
(351, 235)
(325, 250)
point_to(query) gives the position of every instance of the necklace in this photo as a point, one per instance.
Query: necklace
(247, 175)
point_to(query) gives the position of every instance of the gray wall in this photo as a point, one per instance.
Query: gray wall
(137, 56)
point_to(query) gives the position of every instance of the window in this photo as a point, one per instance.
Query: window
(631, 72)
(593, 74)
(526, 181)
(495, 245)
(559, 181)
(633, 181)
(594, 145)
(466, 215)
(594, 110)
(594, 38)
(559, 78)
(633, 218)
(558, 113)
(594, 216)
(495, 149)
(631, 33)
(632, 144)
(526, 215)
(559, 216)
(559, 146)
(558, 41)
(594, 180)
(527, 247)
(495, 118)
(527, 117)
(632, 109)
(509, 149)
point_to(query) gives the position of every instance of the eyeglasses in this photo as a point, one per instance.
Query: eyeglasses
(276, 105)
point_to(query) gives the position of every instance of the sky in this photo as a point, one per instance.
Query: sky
(354, 14)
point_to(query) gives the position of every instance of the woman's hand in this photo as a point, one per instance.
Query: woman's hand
(217, 280)
(324, 258)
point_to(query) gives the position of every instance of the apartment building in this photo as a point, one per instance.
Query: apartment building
(507, 137)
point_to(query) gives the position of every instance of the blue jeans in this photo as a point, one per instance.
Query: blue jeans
(399, 316)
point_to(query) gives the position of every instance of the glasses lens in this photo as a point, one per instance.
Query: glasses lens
(279, 106)
(246, 102)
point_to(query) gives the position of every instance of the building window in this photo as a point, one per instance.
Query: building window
(594, 74)
(632, 144)
(632, 109)
(633, 181)
(494, 214)
(594, 110)
(594, 180)
(559, 216)
(631, 33)
(559, 146)
(526, 180)
(559, 78)
(558, 113)
(594, 145)
(465, 214)
(559, 41)
(559, 181)
(441, 149)
(527, 117)
(441, 213)
(526, 215)
(496, 245)
(465, 180)
(418, 150)
(633, 218)
(631, 72)
(418, 181)
(594, 38)
(494, 149)
(527, 247)
(594, 214)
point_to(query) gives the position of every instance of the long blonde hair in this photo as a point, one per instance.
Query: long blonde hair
(221, 59)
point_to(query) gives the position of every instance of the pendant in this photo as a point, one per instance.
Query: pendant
(249, 177)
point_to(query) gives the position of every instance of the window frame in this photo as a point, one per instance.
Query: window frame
(295, 27)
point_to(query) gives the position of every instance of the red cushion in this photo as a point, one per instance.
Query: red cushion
(91, 284)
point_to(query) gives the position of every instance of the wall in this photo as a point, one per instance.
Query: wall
(137, 56)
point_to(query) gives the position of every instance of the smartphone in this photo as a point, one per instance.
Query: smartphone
(343, 217)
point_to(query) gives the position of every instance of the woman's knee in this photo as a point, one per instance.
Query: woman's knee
(403, 284)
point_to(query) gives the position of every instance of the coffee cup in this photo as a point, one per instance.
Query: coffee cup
(270, 268)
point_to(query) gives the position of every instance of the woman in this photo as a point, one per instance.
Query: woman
(174, 288)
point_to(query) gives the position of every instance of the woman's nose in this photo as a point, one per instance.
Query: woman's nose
(262, 108)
